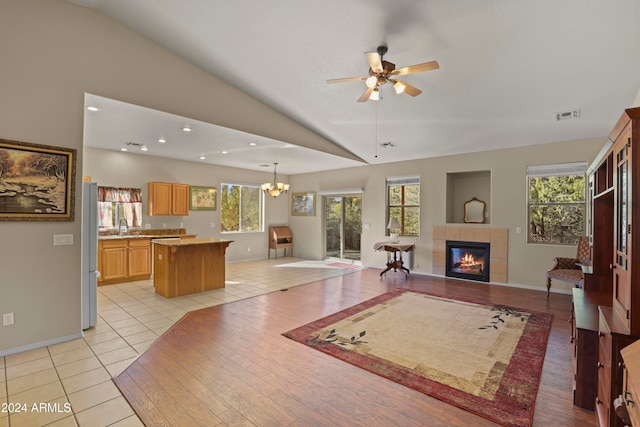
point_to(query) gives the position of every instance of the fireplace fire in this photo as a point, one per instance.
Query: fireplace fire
(468, 260)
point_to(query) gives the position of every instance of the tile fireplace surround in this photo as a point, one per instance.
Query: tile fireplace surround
(498, 237)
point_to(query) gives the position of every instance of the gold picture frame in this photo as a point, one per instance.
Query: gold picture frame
(37, 182)
(203, 198)
(474, 211)
(303, 204)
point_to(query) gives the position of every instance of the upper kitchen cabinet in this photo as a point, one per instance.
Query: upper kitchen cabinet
(167, 198)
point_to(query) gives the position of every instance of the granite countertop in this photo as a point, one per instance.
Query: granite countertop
(145, 236)
(186, 242)
(147, 233)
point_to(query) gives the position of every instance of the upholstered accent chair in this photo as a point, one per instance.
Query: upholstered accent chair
(568, 269)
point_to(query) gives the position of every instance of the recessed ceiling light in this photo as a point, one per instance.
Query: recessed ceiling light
(225, 152)
(144, 148)
(202, 157)
(92, 108)
(123, 149)
(253, 144)
(162, 140)
(186, 129)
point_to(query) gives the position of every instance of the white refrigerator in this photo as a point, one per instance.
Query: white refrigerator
(90, 271)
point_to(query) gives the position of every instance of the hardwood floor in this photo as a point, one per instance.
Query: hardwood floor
(230, 365)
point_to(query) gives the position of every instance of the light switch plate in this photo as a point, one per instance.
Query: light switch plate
(62, 239)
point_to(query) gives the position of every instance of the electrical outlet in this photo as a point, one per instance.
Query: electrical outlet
(7, 319)
(164, 225)
(181, 225)
(248, 249)
(212, 225)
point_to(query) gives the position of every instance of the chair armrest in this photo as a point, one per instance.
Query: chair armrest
(561, 263)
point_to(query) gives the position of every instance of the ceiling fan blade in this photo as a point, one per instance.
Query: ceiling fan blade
(408, 89)
(418, 68)
(365, 96)
(346, 79)
(375, 62)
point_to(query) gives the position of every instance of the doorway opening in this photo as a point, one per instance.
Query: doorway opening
(343, 227)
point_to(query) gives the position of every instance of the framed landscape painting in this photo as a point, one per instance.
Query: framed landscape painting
(202, 198)
(37, 182)
(303, 204)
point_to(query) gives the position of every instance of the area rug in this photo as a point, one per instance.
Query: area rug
(484, 359)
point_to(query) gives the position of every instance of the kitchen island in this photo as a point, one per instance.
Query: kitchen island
(188, 266)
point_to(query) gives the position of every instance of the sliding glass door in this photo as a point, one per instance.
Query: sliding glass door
(343, 225)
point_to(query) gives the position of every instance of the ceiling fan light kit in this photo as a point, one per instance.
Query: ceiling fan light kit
(382, 72)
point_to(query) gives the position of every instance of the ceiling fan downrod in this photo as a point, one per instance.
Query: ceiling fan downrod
(382, 50)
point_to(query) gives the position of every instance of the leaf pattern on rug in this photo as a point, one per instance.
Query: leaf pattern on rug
(333, 337)
(506, 312)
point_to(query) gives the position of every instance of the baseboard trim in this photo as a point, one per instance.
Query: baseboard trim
(35, 345)
(510, 285)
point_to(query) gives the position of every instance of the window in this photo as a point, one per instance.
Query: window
(241, 208)
(556, 203)
(403, 202)
(115, 204)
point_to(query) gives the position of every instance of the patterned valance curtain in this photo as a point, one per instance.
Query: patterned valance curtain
(127, 201)
(123, 195)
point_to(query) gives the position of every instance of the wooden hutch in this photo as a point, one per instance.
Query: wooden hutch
(605, 314)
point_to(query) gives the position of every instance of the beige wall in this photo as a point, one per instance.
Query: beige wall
(52, 53)
(118, 169)
(527, 263)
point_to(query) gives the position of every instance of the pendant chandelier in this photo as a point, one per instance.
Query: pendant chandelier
(275, 188)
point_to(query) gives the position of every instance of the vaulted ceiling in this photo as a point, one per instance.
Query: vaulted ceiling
(507, 68)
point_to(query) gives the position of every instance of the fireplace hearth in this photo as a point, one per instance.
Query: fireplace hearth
(468, 260)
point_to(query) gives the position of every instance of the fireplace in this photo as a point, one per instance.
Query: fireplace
(467, 260)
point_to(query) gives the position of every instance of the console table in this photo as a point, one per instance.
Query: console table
(397, 248)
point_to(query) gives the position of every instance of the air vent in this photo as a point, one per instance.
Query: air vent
(566, 115)
(133, 144)
(387, 144)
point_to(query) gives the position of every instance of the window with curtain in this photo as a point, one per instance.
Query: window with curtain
(556, 203)
(403, 203)
(117, 203)
(241, 208)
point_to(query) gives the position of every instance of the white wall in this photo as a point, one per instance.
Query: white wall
(52, 53)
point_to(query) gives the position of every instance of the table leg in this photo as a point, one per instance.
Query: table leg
(402, 267)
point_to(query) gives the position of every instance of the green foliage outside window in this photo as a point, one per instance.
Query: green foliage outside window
(240, 208)
(556, 209)
(404, 204)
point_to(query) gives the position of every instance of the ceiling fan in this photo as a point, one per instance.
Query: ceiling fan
(382, 72)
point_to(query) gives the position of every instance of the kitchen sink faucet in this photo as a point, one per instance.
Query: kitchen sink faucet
(120, 231)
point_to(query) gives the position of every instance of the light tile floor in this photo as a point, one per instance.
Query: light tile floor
(69, 384)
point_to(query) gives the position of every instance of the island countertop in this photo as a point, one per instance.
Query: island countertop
(187, 242)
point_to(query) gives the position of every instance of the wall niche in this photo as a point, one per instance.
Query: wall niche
(464, 186)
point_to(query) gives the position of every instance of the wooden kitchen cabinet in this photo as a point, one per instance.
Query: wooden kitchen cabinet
(124, 260)
(166, 198)
(112, 260)
(139, 258)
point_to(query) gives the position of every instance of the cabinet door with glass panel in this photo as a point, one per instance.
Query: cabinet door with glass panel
(622, 258)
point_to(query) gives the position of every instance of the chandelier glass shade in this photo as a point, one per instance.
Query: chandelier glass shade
(275, 188)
